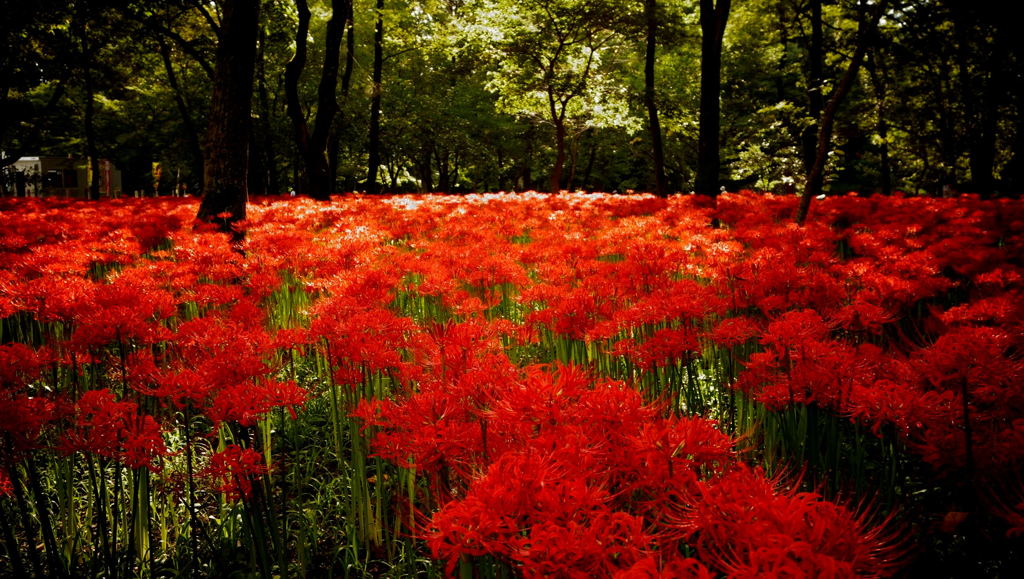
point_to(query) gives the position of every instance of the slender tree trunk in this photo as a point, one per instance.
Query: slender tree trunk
(525, 176)
(499, 155)
(983, 146)
(653, 124)
(882, 125)
(375, 102)
(334, 147)
(444, 183)
(90, 138)
(292, 73)
(273, 182)
(322, 179)
(590, 165)
(555, 180)
(227, 136)
(713, 18)
(815, 80)
(191, 132)
(316, 179)
(90, 104)
(1008, 35)
(426, 169)
(350, 48)
(816, 178)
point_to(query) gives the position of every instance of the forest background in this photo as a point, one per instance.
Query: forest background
(920, 96)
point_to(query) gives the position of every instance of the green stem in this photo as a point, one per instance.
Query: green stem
(43, 512)
(99, 491)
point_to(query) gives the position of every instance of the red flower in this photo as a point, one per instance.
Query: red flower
(742, 525)
(113, 429)
(6, 486)
(234, 470)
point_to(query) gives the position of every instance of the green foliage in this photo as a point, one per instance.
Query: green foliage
(475, 93)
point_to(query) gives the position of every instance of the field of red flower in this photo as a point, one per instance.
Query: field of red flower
(500, 385)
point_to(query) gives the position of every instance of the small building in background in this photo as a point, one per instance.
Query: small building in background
(60, 177)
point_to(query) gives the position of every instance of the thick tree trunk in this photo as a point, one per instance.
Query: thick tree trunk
(713, 18)
(227, 136)
(816, 178)
(375, 102)
(653, 124)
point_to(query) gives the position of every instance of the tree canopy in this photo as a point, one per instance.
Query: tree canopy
(482, 95)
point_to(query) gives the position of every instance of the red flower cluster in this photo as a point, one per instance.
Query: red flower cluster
(234, 470)
(123, 324)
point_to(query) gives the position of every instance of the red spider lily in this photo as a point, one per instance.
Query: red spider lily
(979, 369)
(861, 315)
(20, 365)
(233, 471)
(54, 298)
(735, 331)
(210, 353)
(6, 486)
(358, 338)
(246, 403)
(674, 568)
(129, 309)
(742, 525)
(901, 404)
(1005, 499)
(665, 347)
(1005, 310)
(568, 527)
(23, 419)
(112, 429)
(573, 458)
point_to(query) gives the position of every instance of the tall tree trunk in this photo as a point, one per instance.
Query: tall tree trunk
(524, 177)
(816, 178)
(327, 102)
(555, 180)
(713, 18)
(227, 136)
(90, 103)
(815, 80)
(375, 102)
(350, 48)
(574, 155)
(90, 137)
(273, 182)
(590, 165)
(882, 124)
(316, 179)
(653, 124)
(426, 169)
(444, 184)
(195, 149)
(334, 144)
